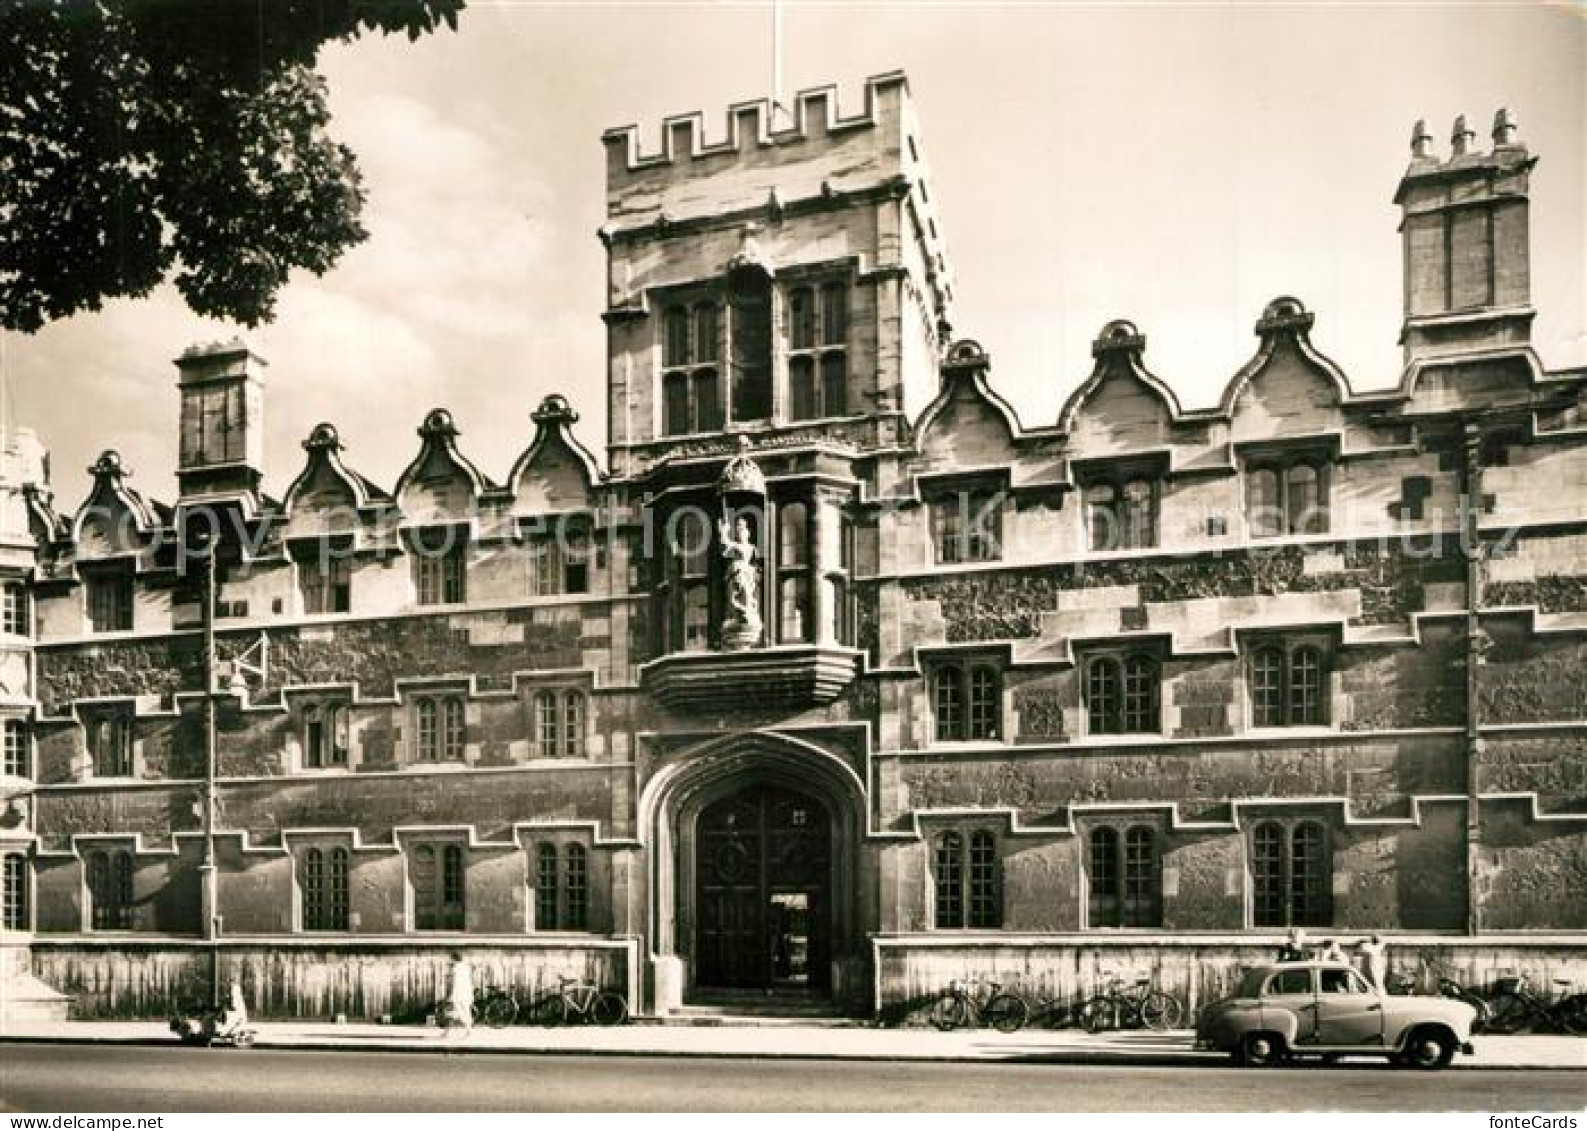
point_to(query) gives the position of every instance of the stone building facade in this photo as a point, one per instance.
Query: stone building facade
(836, 680)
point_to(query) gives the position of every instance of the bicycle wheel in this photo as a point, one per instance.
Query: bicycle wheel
(1508, 1013)
(551, 1011)
(1571, 1014)
(950, 1011)
(609, 1009)
(1007, 1013)
(500, 1010)
(1098, 1014)
(1161, 1011)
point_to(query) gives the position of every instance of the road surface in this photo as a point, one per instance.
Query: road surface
(88, 1078)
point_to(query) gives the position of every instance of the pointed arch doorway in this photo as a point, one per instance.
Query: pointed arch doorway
(763, 864)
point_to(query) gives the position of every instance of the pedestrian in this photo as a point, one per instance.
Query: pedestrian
(460, 998)
(1295, 948)
(1374, 961)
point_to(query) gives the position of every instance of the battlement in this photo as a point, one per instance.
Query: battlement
(751, 126)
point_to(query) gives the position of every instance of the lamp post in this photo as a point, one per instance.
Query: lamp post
(209, 894)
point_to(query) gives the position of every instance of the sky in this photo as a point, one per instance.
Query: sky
(1178, 166)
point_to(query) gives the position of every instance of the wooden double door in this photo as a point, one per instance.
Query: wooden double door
(763, 874)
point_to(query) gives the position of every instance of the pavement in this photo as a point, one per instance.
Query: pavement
(772, 1040)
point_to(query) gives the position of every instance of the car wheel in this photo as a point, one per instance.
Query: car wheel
(1429, 1048)
(1260, 1050)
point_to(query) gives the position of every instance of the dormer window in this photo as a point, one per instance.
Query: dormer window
(1122, 501)
(818, 327)
(325, 577)
(1286, 494)
(966, 522)
(440, 566)
(109, 596)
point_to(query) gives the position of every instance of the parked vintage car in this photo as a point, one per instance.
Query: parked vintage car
(1291, 1009)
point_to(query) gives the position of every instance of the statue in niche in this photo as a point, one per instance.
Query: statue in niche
(741, 628)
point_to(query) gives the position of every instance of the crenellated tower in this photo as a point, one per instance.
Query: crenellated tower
(784, 277)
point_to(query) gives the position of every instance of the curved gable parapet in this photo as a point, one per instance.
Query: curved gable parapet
(1501, 377)
(1131, 405)
(1288, 386)
(327, 495)
(967, 416)
(45, 526)
(440, 484)
(114, 519)
(556, 472)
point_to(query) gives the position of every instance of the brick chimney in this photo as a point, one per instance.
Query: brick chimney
(1463, 229)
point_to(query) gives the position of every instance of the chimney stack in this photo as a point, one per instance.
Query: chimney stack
(1463, 229)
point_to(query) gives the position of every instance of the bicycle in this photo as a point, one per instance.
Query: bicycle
(583, 1001)
(959, 1008)
(1514, 1007)
(493, 1006)
(1116, 1008)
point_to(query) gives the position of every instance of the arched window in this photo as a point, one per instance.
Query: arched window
(573, 724)
(323, 882)
(546, 887)
(749, 296)
(1105, 905)
(1291, 875)
(1126, 879)
(969, 892)
(548, 724)
(950, 882)
(1104, 695)
(948, 698)
(452, 731)
(429, 734)
(1288, 686)
(1140, 695)
(438, 887)
(1143, 880)
(110, 890)
(984, 718)
(578, 888)
(14, 875)
(986, 896)
(1123, 695)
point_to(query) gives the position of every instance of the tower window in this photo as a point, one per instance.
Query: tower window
(691, 353)
(818, 326)
(749, 331)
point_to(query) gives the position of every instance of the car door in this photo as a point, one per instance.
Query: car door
(1349, 1012)
(1291, 993)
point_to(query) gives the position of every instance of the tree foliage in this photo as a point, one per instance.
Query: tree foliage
(146, 139)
